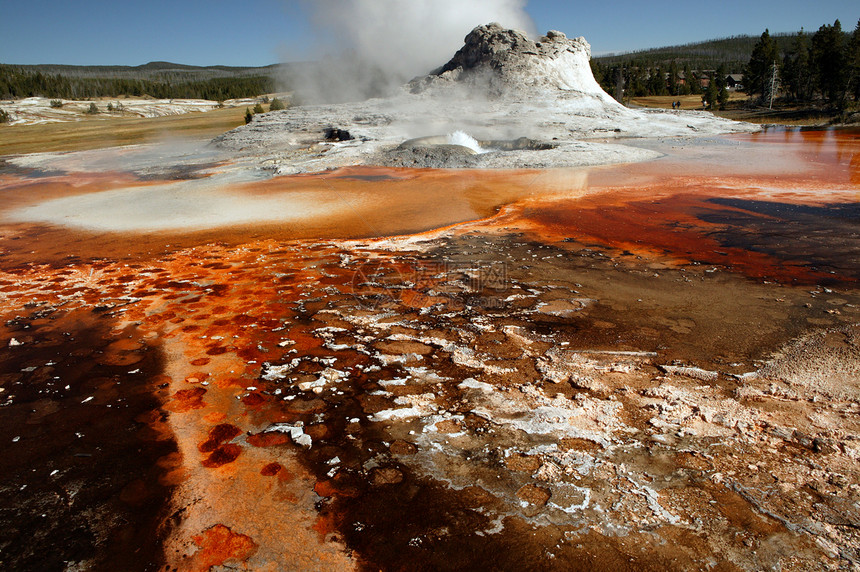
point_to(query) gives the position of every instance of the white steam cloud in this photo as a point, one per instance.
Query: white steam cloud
(381, 44)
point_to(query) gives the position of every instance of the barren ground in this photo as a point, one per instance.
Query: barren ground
(100, 132)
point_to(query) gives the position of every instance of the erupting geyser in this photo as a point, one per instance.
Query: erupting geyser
(381, 44)
(465, 140)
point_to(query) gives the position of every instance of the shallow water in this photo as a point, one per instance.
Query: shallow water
(488, 381)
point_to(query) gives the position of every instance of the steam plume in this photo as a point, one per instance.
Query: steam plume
(381, 44)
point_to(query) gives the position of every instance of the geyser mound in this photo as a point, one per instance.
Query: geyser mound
(501, 62)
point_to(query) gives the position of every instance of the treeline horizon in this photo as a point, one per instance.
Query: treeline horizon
(788, 67)
(671, 70)
(17, 84)
(732, 51)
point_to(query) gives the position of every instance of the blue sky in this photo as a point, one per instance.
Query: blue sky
(260, 32)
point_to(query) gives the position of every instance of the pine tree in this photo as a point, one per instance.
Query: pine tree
(674, 88)
(687, 88)
(636, 83)
(712, 94)
(596, 71)
(656, 82)
(259, 109)
(276, 104)
(618, 83)
(797, 74)
(829, 62)
(758, 71)
(722, 89)
(854, 62)
(248, 115)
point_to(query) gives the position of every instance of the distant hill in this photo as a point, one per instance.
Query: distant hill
(157, 79)
(733, 51)
(152, 71)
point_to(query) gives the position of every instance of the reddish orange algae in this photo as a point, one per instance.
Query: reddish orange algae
(665, 213)
(220, 545)
(230, 302)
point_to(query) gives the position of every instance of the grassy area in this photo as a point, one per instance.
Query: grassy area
(738, 110)
(100, 131)
(687, 101)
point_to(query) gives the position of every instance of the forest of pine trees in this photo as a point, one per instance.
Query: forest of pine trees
(801, 68)
(635, 78)
(18, 83)
(824, 66)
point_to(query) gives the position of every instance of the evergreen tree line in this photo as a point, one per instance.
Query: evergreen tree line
(19, 83)
(156, 71)
(798, 67)
(636, 78)
(823, 66)
(733, 51)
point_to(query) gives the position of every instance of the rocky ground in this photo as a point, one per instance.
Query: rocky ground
(640, 374)
(554, 406)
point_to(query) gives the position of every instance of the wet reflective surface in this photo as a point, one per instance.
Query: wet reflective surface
(650, 366)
